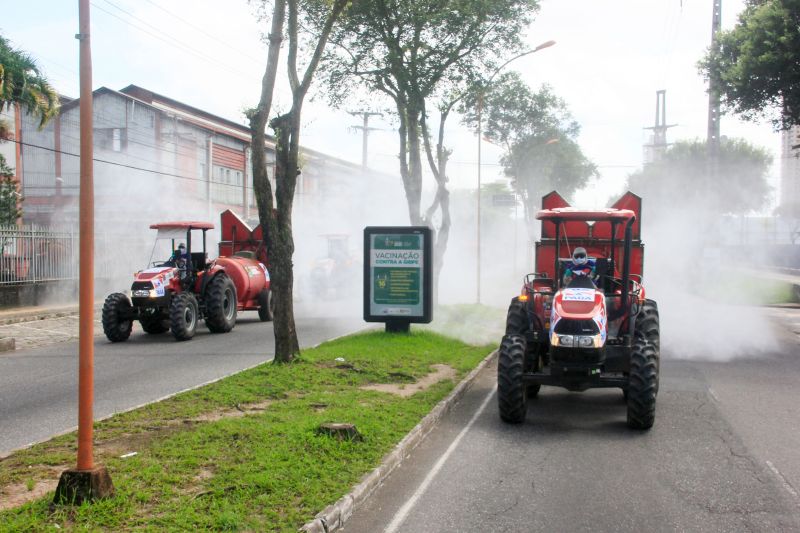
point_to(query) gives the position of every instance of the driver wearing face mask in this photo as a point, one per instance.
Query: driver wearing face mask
(580, 265)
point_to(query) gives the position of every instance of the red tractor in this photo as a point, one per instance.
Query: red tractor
(597, 330)
(176, 293)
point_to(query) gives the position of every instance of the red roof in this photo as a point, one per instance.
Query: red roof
(572, 213)
(182, 225)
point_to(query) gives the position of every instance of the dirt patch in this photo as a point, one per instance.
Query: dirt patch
(440, 373)
(17, 494)
(239, 411)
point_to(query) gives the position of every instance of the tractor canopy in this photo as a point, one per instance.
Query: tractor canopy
(602, 232)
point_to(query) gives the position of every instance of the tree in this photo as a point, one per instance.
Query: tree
(275, 216)
(682, 178)
(538, 134)
(423, 54)
(755, 64)
(10, 198)
(21, 82)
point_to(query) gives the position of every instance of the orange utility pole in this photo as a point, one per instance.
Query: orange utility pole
(86, 482)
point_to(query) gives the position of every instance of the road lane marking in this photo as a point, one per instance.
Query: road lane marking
(402, 513)
(784, 481)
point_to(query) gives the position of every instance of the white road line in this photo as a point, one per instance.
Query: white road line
(713, 394)
(402, 513)
(784, 482)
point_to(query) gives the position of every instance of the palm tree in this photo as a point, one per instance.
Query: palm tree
(22, 82)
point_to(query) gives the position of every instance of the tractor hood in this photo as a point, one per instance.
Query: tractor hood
(156, 279)
(578, 316)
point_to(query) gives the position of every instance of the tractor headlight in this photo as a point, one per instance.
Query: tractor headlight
(565, 340)
(145, 293)
(584, 342)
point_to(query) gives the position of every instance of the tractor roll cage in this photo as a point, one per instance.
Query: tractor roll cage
(562, 215)
(188, 227)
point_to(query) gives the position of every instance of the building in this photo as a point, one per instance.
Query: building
(155, 158)
(789, 204)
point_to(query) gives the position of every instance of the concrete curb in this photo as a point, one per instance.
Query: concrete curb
(11, 316)
(334, 516)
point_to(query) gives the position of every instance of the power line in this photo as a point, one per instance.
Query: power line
(132, 167)
(204, 32)
(175, 42)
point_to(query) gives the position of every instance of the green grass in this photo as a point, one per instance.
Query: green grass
(737, 287)
(266, 471)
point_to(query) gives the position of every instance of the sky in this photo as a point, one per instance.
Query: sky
(609, 60)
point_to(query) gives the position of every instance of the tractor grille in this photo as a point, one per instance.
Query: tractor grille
(141, 286)
(566, 326)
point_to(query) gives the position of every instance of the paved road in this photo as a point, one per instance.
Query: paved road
(38, 386)
(722, 456)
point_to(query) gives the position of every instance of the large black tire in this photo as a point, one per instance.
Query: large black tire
(642, 385)
(517, 322)
(647, 327)
(511, 393)
(265, 305)
(154, 321)
(183, 313)
(221, 304)
(116, 322)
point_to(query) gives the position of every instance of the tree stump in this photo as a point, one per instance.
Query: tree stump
(340, 431)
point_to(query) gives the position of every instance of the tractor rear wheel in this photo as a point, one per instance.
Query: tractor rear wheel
(183, 316)
(646, 327)
(642, 385)
(517, 318)
(266, 305)
(511, 393)
(117, 324)
(221, 304)
(517, 323)
(154, 321)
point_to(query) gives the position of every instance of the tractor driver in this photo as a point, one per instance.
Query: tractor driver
(579, 266)
(180, 259)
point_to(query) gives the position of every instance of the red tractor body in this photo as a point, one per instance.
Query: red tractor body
(176, 293)
(581, 332)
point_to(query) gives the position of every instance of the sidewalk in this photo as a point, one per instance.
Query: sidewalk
(35, 326)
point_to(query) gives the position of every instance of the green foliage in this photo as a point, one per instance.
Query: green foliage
(538, 133)
(207, 462)
(10, 199)
(22, 82)
(755, 64)
(683, 175)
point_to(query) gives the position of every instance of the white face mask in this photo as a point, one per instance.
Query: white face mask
(580, 260)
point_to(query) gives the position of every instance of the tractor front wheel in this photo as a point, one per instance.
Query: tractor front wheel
(517, 318)
(117, 321)
(642, 385)
(154, 321)
(183, 316)
(221, 304)
(511, 393)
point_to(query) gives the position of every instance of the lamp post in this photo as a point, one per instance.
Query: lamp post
(546, 44)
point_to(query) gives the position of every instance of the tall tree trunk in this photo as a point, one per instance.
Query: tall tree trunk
(281, 241)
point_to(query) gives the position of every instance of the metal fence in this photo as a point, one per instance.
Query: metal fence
(31, 254)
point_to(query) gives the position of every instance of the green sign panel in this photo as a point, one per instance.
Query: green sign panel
(397, 277)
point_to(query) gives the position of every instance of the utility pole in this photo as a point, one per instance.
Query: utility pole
(659, 144)
(365, 133)
(713, 138)
(86, 482)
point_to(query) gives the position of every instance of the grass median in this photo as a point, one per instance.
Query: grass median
(244, 453)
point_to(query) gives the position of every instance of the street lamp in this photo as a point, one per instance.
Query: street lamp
(546, 44)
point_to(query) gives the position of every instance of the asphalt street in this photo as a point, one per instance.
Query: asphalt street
(722, 456)
(38, 386)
